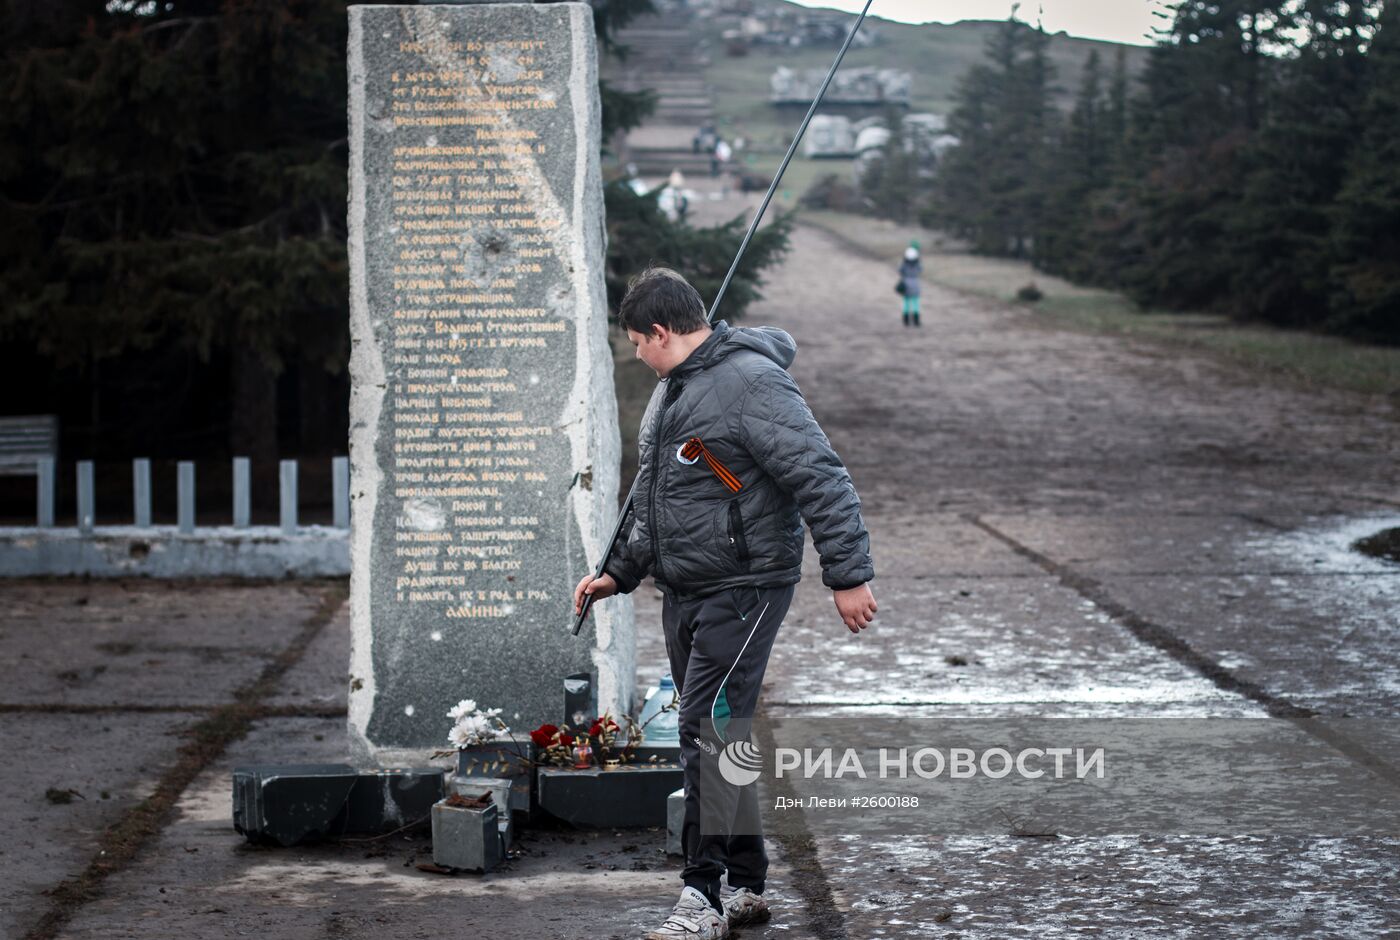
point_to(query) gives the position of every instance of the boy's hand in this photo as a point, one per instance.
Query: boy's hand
(857, 607)
(599, 588)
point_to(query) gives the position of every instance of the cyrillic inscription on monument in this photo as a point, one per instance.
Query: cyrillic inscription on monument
(477, 369)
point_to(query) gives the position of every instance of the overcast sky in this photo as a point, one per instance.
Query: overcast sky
(1116, 20)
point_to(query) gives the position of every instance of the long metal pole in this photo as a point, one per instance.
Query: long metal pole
(719, 295)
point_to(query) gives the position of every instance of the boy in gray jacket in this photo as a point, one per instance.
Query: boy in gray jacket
(731, 464)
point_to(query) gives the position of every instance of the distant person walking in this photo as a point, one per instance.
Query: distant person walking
(720, 157)
(909, 270)
(672, 200)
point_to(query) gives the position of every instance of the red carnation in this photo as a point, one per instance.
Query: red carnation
(596, 730)
(543, 736)
(566, 739)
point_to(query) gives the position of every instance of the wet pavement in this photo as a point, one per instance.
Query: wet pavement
(1096, 530)
(1064, 526)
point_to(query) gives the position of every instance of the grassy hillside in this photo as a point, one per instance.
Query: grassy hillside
(936, 56)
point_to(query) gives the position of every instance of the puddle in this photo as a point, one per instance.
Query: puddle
(1384, 544)
(1334, 545)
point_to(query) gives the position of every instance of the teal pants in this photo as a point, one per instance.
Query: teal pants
(911, 309)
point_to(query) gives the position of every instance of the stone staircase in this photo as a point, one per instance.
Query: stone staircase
(665, 57)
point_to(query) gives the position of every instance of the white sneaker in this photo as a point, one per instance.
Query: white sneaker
(694, 918)
(743, 906)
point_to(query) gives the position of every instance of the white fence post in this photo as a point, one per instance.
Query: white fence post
(184, 496)
(242, 492)
(48, 478)
(287, 478)
(87, 501)
(141, 491)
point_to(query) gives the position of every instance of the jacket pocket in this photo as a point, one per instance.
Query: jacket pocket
(737, 537)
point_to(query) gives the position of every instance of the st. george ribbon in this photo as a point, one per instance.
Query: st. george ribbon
(714, 307)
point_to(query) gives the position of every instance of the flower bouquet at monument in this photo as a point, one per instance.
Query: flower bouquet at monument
(554, 745)
(614, 744)
(482, 743)
(602, 743)
(580, 748)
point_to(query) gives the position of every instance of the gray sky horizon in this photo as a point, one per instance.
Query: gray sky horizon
(1125, 21)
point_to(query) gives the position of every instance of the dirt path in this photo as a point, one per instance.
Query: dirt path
(978, 410)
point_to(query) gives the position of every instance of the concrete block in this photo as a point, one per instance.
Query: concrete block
(385, 800)
(165, 552)
(502, 789)
(675, 818)
(507, 760)
(506, 827)
(291, 804)
(630, 796)
(507, 793)
(468, 838)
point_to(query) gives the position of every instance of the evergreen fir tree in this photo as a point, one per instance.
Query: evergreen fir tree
(1032, 126)
(891, 185)
(991, 188)
(1365, 270)
(174, 174)
(961, 201)
(1116, 110)
(1081, 160)
(1107, 239)
(1295, 165)
(639, 235)
(1203, 99)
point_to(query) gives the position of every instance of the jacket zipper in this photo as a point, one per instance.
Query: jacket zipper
(657, 464)
(736, 532)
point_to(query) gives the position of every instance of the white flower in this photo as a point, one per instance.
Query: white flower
(465, 707)
(472, 729)
(472, 726)
(461, 736)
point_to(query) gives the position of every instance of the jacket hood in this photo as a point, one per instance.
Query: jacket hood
(770, 341)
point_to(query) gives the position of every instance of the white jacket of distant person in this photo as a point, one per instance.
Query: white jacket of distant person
(671, 201)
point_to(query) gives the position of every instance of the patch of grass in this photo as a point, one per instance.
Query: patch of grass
(1309, 359)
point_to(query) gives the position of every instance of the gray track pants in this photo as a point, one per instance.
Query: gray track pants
(718, 646)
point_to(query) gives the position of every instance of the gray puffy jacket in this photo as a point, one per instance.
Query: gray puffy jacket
(694, 534)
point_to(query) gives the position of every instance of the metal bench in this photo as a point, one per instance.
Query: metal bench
(24, 441)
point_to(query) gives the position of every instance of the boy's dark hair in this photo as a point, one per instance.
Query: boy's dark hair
(660, 296)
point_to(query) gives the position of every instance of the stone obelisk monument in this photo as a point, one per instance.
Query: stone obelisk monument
(483, 426)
